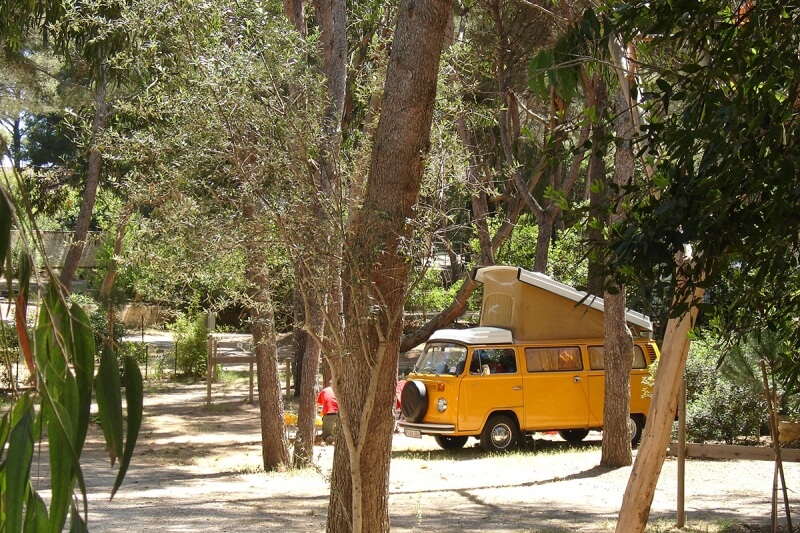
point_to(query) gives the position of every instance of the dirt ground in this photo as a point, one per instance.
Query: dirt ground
(198, 469)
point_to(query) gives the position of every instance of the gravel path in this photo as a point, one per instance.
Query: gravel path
(198, 469)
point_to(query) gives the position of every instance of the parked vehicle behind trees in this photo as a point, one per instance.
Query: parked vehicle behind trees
(535, 363)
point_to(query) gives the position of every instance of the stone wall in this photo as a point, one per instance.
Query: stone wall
(136, 315)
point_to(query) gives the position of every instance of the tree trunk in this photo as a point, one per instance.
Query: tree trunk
(16, 143)
(376, 273)
(107, 286)
(316, 279)
(307, 407)
(111, 273)
(274, 442)
(596, 181)
(75, 252)
(646, 468)
(299, 340)
(616, 449)
(295, 12)
(545, 223)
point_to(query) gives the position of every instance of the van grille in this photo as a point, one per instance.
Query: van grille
(651, 354)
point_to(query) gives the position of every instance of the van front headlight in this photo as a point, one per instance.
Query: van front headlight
(441, 405)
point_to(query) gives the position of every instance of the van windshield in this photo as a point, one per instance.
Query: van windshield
(442, 358)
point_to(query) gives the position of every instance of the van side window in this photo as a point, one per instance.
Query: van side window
(553, 359)
(498, 360)
(597, 360)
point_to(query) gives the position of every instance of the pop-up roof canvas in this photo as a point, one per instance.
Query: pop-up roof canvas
(535, 307)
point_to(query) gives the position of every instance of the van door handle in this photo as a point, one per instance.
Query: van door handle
(518, 387)
(576, 379)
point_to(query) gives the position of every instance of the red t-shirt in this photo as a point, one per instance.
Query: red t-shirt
(398, 392)
(328, 401)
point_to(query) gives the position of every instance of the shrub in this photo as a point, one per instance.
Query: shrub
(190, 334)
(719, 408)
(430, 296)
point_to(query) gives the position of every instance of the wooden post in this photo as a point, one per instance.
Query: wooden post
(681, 519)
(209, 364)
(288, 377)
(251, 382)
(769, 393)
(641, 486)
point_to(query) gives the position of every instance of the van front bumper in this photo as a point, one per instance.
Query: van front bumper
(428, 429)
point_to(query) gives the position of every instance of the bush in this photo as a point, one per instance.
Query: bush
(429, 296)
(719, 408)
(190, 334)
(98, 320)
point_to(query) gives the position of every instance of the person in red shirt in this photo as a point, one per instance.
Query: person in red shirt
(330, 413)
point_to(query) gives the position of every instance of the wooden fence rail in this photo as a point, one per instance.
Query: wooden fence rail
(227, 353)
(724, 451)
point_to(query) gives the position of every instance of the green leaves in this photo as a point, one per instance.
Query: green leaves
(134, 397)
(16, 466)
(109, 402)
(560, 67)
(723, 87)
(61, 357)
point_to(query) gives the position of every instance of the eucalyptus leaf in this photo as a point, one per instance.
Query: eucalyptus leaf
(134, 397)
(18, 462)
(36, 516)
(109, 402)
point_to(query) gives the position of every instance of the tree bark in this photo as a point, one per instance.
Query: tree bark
(616, 447)
(299, 340)
(111, 273)
(595, 181)
(307, 407)
(376, 273)
(16, 143)
(545, 227)
(75, 252)
(274, 442)
(318, 280)
(107, 287)
(295, 12)
(650, 458)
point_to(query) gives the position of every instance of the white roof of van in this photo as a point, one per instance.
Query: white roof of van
(480, 335)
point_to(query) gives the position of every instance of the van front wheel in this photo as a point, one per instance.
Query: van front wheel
(450, 443)
(500, 434)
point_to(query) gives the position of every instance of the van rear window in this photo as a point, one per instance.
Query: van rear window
(553, 359)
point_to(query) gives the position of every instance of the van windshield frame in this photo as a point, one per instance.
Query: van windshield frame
(441, 358)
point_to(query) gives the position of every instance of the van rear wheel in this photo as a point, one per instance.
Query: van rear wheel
(500, 434)
(449, 442)
(573, 436)
(636, 428)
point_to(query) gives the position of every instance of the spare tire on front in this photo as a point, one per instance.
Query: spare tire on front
(414, 401)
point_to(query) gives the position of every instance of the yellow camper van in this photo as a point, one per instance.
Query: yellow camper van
(535, 363)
